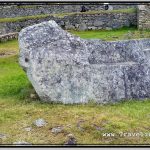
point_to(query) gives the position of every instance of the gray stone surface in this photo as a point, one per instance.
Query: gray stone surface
(57, 130)
(21, 143)
(30, 10)
(93, 21)
(10, 36)
(82, 27)
(71, 140)
(64, 68)
(144, 16)
(40, 122)
(98, 23)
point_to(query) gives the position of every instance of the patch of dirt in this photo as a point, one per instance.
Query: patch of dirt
(7, 53)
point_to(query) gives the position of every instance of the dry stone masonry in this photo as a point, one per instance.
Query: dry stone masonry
(30, 10)
(67, 69)
(144, 16)
(81, 21)
(99, 19)
(10, 36)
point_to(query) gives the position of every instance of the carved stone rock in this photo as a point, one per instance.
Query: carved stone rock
(65, 68)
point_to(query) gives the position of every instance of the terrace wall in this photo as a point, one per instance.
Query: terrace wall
(29, 10)
(144, 16)
(78, 21)
(9, 36)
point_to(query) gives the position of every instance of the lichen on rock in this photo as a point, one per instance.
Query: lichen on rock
(65, 68)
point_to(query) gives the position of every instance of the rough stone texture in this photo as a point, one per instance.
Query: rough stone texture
(71, 140)
(57, 130)
(82, 21)
(29, 10)
(64, 68)
(3, 29)
(144, 16)
(10, 36)
(40, 122)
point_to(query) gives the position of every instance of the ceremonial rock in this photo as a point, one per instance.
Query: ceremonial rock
(65, 68)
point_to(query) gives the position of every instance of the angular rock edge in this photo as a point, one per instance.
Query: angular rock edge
(65, 68)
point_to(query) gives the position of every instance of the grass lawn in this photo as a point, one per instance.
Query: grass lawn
(86, 122)
(9, 48)
(112, 35)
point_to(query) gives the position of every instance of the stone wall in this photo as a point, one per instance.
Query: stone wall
(29, 10)
(78, 21)
(144, 16)
(9, 36)
(97, 21)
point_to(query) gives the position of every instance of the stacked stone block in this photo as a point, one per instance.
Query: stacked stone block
(144, 16)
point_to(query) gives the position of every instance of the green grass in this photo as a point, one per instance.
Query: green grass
(9, 48)
(10, 45)
(18, 111)
(129, 10)
(112, 35)
(3, 20)
(13, 79)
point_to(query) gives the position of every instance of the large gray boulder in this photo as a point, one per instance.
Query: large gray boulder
(64, 68)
